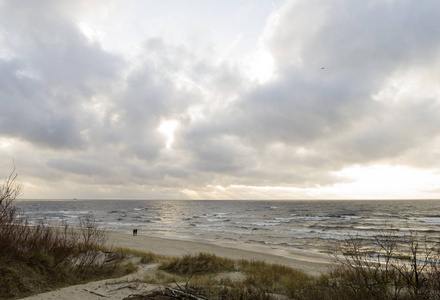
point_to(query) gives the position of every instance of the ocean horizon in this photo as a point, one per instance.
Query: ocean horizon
(316, 226)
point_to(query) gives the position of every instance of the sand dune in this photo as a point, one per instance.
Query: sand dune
(312, 263)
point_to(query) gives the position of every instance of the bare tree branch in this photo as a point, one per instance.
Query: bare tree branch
(9, 190)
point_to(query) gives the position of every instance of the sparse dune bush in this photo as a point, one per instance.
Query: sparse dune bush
(389, 266)
(37, 257)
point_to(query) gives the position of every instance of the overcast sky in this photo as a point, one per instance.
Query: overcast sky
(237, 99)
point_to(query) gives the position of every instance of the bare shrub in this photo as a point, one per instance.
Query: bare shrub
(91, 256)
(9, 191)
(91, 236)
(390, 266)
(42, 256)
(9, 229)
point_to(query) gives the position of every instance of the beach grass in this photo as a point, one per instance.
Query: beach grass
(223, 278)
(203, 263)
(33, 267)
(146, 257)
(38, 258)
(394, 270)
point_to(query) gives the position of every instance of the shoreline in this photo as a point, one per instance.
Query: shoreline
(312, 263)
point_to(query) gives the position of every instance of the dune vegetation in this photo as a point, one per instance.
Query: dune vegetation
(35, 258)
(388, 267)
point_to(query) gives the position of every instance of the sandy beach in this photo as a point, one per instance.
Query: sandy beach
(309, 262)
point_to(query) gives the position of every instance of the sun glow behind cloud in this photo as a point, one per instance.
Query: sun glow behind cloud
(387, 182)
(167, 128)
(375, 182)
(5, 143)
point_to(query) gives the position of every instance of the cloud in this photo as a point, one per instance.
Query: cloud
(50, 73)
(353, 84)
(331, 60)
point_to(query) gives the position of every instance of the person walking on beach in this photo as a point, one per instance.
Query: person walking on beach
(135, 232)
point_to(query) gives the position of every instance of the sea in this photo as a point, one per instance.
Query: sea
(312, 226)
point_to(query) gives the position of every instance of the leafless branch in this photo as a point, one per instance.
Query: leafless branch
(9, 190)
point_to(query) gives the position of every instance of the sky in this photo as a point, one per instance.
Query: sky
(243, 99)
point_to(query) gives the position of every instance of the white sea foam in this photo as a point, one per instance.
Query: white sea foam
(431, 220)
(218, 220)
(258, 224)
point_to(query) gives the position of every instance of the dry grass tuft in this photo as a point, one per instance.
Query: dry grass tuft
(145, 257)
(202, 263)
(258, 280)
(274, 278)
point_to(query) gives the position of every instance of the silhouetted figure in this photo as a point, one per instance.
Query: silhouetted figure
(135, 232)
